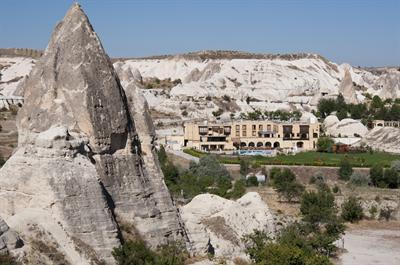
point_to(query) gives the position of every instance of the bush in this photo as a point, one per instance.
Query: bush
(137, 253)
(317, 207)
(373, 210)
(134, 253)
(396, 165)
(325, 144)
(286, 185)
(263, 251)
(239, 189)
(376, 175)
(345, 169)
(252, 181)
(352, 210)
(391, 178)
(335, 189)
(244, 167)
(358, 179)
(6, 259)
(386, 213)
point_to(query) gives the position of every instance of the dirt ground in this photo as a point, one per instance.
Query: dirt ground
(371, 243)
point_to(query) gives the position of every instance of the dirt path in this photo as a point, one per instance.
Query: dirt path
(371, 246)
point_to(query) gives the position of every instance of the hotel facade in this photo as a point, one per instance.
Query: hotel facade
(251, 135)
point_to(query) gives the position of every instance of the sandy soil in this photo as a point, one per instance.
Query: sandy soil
(370, 244)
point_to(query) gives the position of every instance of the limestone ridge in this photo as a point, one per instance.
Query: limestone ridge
(85, 163)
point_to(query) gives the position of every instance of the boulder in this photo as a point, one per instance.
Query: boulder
(344, 128)
(217, 225)
(384, 139)
(9, 239)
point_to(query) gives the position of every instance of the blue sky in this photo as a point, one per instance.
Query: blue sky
(361, 32)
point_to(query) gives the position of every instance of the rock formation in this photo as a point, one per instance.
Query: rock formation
(9, 240)
(384, 138)
(216, 224)
(85, 164)
(344, 128)
(347, 88)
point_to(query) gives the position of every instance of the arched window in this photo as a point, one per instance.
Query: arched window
(268, 144)
(277, 145)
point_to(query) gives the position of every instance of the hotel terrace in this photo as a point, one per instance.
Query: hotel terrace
(252, 135)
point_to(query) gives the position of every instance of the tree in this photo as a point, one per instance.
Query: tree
(341, 114)
(341, 103)
(252, 181)
(326, 107)
(134, 253)
(376, 175)
(345, 169)
(391, 178)
(244, 167)
(352, 210)
(376, 102)
(317, 207)
(325, 144)
(286, 185)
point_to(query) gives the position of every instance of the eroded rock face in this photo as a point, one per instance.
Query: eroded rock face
(9, 240)
(85, 158)
(218, 225)
(347, 88)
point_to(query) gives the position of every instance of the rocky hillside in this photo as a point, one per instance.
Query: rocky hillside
(194, 85)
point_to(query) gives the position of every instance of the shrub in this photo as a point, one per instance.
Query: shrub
(352, 210)
(137, 253)
(358, 179)
(244, 167)
(252, 181)
(391, 178)
(386, 213)
(134, 253)
(239, 189)
(6, 259)
(376, 175)
(335, 189)
(325, 144)
(345, 169)
(286, 185)
(317, 207)
(396, 165)
(373, 210)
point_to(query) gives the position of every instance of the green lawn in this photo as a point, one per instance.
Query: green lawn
(310, 159)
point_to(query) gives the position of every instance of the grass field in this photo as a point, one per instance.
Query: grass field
(310, 159)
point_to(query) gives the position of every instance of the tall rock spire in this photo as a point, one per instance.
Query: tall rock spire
(84, 166)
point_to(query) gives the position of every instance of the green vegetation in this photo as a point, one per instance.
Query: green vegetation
(308, 242)
(311, 159)
(271, 115)
(352, 210)
(206, 176)
(375, 110)
(358, 179)
(286, 185)
(137, 253)
(151, 83)
(345, 169)
(325, 144)
(252, 181)
(385, 178)
(6, 259)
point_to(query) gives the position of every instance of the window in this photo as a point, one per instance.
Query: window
(237, 127)
(203, 130)
(253, 133)
(260, 127)
(254, 127)
(268, 127)
(244, 133)
(244, 127)
(237, 133)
